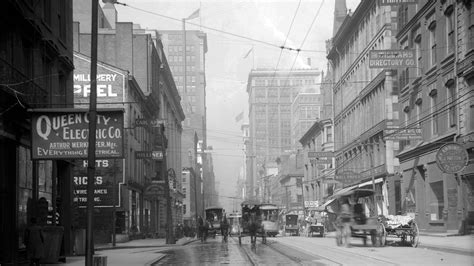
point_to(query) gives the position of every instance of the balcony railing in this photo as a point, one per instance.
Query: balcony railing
(24, 88)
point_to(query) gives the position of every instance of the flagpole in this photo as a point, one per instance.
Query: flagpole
(253, 56)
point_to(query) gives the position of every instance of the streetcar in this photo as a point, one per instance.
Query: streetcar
(269, 214)
(234, 222)
(214, 215)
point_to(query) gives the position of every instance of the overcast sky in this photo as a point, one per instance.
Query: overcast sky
(237, 27)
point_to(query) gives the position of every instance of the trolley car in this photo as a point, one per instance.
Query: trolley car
(269, 214)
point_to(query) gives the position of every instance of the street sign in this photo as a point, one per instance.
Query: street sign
(452, 158)
(397, 2)
(320, 161)
(402, 134)
(391, 59)
(320, 154)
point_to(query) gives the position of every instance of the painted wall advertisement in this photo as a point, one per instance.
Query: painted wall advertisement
(108, 177)
(64, 134)
(110, 82)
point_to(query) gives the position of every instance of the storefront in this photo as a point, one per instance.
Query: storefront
(435, 197)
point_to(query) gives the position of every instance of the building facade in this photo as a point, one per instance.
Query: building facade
(436, 98)
(137, 51)
(36, 64)
(271, 94)
(365, 101)
(185, 51)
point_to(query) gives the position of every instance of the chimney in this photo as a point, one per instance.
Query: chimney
(110, 12)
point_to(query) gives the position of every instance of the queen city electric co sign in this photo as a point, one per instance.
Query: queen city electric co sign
(452, 158)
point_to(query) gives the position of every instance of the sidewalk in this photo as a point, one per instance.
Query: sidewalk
(126, 254)
(444, 242)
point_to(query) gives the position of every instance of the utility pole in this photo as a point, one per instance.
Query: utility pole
(92, 136)
(114, 196)
(169, 219)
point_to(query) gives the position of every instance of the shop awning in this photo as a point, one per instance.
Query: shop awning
(369, 183)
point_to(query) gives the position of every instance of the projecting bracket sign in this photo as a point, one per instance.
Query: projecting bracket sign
(154, 155)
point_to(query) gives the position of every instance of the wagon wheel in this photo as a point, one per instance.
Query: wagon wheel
(414, 235)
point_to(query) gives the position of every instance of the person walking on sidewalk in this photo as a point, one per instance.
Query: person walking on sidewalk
(34, 241)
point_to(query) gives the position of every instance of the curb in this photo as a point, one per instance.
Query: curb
(146, 246)
(447, 249)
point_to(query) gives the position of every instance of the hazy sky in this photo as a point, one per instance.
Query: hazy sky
(238, 26)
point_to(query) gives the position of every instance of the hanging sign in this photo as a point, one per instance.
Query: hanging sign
(452, 158)
(64, 134)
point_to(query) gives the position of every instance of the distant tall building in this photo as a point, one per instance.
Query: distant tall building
(306, 109)
(271, 95)
(188, 68)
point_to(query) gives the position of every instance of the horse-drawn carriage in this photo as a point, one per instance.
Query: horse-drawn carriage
(356, 224)
(214, 216)
(251, 224)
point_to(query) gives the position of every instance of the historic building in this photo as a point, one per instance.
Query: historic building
(436, 97)
(185, 51)
(271, 94)
(36, 64)
(365, 101)
(125, 46)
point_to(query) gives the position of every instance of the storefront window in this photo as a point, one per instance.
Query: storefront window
(437, 200)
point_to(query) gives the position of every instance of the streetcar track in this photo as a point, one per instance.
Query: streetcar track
(363, 256)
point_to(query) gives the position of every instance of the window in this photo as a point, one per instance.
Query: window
(184, 208)
(432, 43)
(450, 37)
(434, 111)
(451, 101)
(436, 200)
(184, 192)
(418, 111)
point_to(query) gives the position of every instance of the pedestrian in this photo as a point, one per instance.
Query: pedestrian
(34, 241)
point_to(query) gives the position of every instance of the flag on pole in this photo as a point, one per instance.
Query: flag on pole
(239, 117)
(194, 15)
(247, 54)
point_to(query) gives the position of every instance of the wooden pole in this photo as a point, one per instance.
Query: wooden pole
(92, 136)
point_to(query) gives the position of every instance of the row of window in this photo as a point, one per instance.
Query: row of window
(180, 69)
(172, 49)
(284, 82)
(179, 58)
